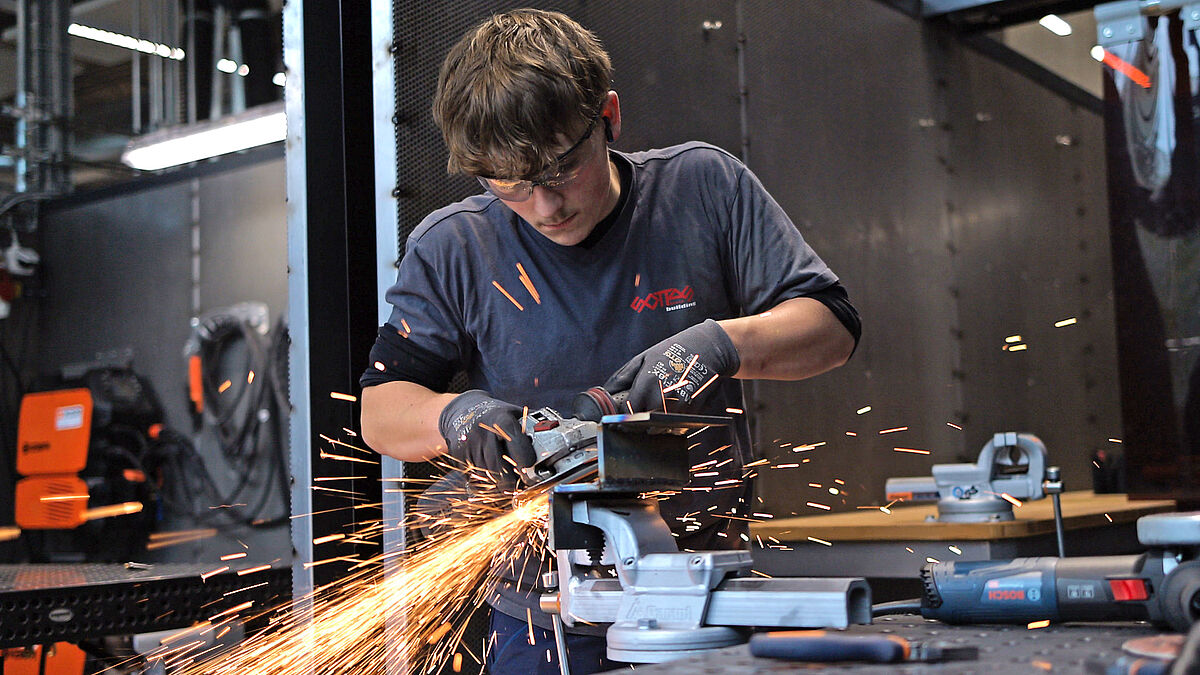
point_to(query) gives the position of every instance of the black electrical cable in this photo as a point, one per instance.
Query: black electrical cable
(242, 420)
(911, 606)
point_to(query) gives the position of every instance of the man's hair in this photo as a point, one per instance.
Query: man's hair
(512, 86)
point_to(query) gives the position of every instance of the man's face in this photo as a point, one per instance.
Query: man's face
(567, 214)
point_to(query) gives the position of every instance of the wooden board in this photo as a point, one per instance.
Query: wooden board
(1081, 510)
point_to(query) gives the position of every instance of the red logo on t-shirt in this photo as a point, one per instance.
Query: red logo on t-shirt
(667, 297)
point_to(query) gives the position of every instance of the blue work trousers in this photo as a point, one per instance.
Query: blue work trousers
(511, 653)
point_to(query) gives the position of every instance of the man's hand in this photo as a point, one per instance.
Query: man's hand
(681, 367)
(482, 431)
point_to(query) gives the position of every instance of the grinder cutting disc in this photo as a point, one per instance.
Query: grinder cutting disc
(1165, 647)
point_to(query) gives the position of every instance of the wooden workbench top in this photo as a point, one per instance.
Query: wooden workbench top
(908, 523)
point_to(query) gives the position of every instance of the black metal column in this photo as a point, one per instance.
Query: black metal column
(332, 287)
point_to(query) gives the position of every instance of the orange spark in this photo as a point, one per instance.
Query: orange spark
(1010, 499)
(892, 430)
(528, 283)
(1038, 624)
(952, 425)
(252, 570)
(819, 541)
(705, 385)
(224, 385)
(206, 575)
(123, 509)
(819, 506)
(1127, 69)
(915, 451)
(342, 397)
(234, 556)
(506, 294)
(9, 533)
(683, 376)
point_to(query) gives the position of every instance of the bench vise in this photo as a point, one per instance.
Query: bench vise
(663, 603)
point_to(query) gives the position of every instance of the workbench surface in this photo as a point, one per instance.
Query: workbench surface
(1003, 650)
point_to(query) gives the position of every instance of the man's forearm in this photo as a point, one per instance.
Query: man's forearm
(400, 419)
(797, 338)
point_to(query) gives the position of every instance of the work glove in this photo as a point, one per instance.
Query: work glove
(683, 366)
(481, 431)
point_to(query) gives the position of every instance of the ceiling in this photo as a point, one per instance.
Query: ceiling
(103, 77)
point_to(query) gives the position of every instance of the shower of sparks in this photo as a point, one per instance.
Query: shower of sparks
(864, 410)
(342, 397)
(340, 629)
(506, 294)
(528, 284)
(915, 451)
(1065, 322)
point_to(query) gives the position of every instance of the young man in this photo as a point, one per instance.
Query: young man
(582, 266)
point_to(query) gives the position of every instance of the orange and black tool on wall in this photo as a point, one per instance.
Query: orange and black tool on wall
(53, 433)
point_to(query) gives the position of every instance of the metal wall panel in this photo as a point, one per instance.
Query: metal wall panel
(931, 180)
(119, 274)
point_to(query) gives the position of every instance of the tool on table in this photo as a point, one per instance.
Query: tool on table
(823, 646)
(663, 603)
(1011, 465)
(1161, 585)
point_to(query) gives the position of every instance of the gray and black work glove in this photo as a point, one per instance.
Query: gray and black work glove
(680, 368)
(480, 431)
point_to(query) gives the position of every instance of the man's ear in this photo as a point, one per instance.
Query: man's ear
(611, 111)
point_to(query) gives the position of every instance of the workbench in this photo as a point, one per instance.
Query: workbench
(894, 546)
(1003, 650)
(47, 603)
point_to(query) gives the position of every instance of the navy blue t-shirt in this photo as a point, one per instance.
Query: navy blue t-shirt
(697, 237)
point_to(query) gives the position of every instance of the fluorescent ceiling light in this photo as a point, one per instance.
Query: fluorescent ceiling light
(1055, 24)
(126, 41)
(180, 145)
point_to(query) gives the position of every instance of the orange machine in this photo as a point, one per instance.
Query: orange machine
(53, 433)
(61, 658)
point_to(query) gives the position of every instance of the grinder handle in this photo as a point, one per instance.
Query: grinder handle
(596, 402)
(818, 645)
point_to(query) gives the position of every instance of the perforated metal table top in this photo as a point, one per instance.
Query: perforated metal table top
(49, 603)
(1003, 650)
